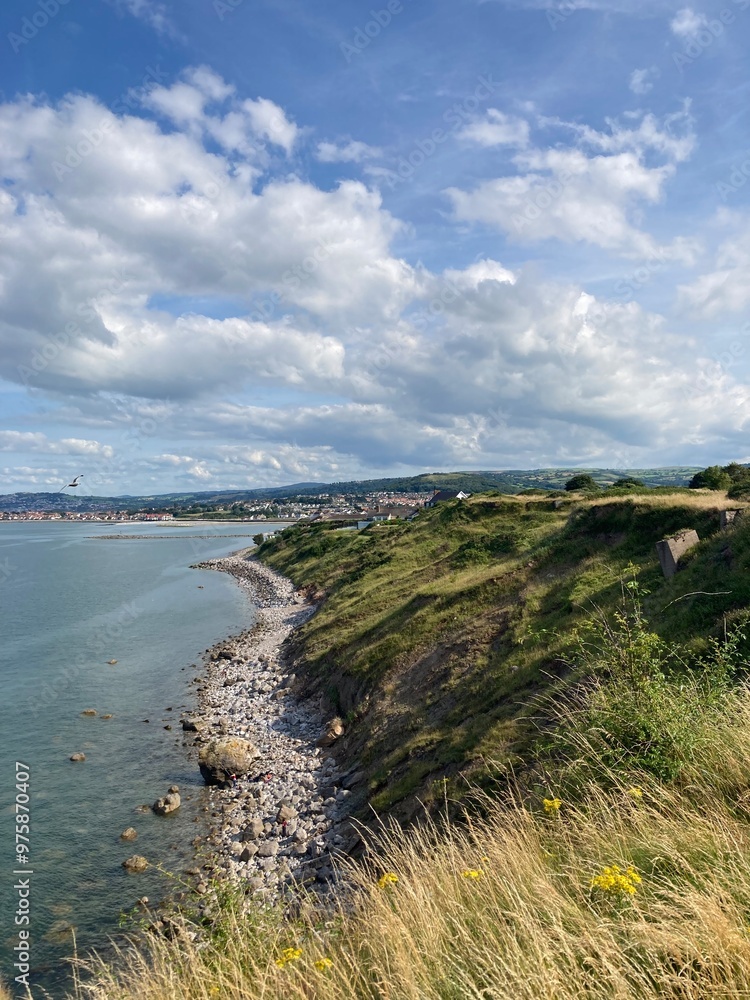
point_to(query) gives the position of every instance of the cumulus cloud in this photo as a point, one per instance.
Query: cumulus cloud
(687, 23)
(590, 192)
(157, 281)
(24, 441)
(497, 129)
(725, 289)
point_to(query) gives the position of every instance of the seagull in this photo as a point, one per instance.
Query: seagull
(71, 485)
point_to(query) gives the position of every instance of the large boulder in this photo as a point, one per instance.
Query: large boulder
(169, 804)
(221, 759)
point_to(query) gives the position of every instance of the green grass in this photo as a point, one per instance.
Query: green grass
(453, 624)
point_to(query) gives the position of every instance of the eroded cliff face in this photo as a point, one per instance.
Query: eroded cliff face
(436, 641)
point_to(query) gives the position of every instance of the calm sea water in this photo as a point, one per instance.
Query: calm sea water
(68, 603)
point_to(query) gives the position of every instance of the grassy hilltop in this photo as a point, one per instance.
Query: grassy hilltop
(580, 731)
(435, 638)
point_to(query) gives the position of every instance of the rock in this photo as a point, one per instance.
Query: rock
(193, 725)
(107, 716)
(253, 830)
(78, 756)
(173, 789)
(220, 759)
(300, 836)
(142, 809)
(333, 731)
(248, 852)
(268, 849)
(111, 662)
(167, 727)
(135, 864)
(285, 813)
(89, 711)
(169, 804)
(130, 834)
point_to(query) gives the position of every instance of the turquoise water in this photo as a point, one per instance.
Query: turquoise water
(69, 603)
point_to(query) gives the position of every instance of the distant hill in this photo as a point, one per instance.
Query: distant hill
(509, 481)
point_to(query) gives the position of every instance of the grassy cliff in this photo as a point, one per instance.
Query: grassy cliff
(435, 638)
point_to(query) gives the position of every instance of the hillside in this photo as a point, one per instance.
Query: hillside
(512, 481)
(434, 638)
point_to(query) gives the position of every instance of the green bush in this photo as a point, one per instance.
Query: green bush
(646, 705)
(581, 483)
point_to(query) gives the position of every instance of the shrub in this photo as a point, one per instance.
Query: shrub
(581, 483)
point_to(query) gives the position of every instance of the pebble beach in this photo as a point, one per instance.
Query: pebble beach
(284, 821)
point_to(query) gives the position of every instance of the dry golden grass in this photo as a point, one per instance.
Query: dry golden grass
(499, 908)
(699, 499)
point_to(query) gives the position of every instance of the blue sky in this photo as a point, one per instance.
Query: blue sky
(250, 242)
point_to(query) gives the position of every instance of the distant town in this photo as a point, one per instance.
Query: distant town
(380, 505)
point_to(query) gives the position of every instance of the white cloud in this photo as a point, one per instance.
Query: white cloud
(642, 80)
(350, 151)
(152, 12)
(590, 195)
(270, 122)
(725, 290)
(497, 129)
(151, 281)
(25, 441)
(687, 23)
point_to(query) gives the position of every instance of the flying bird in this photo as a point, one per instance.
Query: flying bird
(71, 485)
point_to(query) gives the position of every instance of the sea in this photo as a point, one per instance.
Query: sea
(71, 599)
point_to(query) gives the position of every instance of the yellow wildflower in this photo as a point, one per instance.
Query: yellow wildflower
(635, 792)
(617, 882)
(472, 873)
(323, 963)
(552, 806)
(288, 955)
(214, 990)
(388, 879)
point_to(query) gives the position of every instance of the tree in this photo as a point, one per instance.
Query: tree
(712, 478)
(581, 483)
(628, 481)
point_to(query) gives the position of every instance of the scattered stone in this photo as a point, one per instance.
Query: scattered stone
(135, 864)
(77, 757)
(111, 662)
(269, 821)
(130, 834)
(253, 830)
(268, 849)
(89, 711)
(107, 716)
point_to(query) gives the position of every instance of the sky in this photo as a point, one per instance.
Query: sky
(259, 242)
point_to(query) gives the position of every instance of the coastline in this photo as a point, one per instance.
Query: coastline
(284, 822)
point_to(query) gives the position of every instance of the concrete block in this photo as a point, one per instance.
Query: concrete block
(670, 550)
(727, 517)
